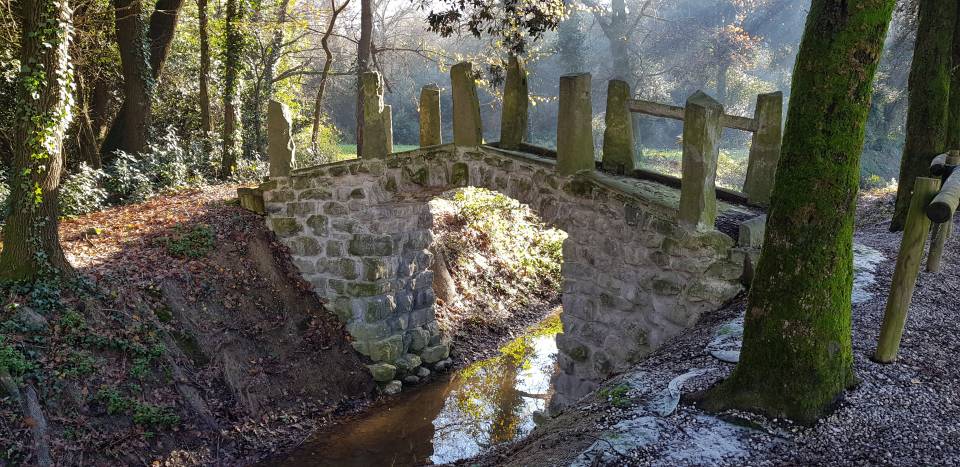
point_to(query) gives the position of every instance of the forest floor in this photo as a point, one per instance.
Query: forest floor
(900, 414)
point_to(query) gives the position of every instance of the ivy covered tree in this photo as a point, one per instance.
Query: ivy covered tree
(44, 90)
(232, 54)
(797, 356)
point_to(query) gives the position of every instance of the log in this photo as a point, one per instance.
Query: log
(941, 233)
(943, 206)
(908, 268)
(657, 109)
(938, 165)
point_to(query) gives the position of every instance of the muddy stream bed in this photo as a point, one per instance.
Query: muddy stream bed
(456, 417)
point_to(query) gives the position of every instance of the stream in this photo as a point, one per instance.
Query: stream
(459, 416)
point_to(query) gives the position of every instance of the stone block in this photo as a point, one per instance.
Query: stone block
(460, 175)
(251, 199)
(334, 248)
(575, 125)
(375, 269)
(393, 388)
(304, 246)
(347, 268)
(752, 232)
(382, 372)
(387, 350)
(513, 117)
(374, 131)
(701, 149)
(435, 353)
(318, 225)
(315, 194)
(301, 208)
(467, 129)
(408, 363)
(370, 245)
(285, 226)
(280, 147)
(369, 331)
(366, 289)
(333, 208)
(422, 316)
(419, 339)
(374, 309)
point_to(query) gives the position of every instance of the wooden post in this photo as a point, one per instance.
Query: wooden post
(513, 117)
(908, 267)
(430, 131)
(941, 231)
(467, 130)
(575, 125)
(701, 149)
(764, 149)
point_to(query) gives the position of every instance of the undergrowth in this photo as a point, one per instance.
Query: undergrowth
(502, 257)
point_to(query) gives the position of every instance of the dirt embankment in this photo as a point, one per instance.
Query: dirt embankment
(195, 341)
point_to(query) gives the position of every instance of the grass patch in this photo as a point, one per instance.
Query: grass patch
(189, 242)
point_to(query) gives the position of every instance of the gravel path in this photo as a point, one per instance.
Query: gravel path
(907, 413)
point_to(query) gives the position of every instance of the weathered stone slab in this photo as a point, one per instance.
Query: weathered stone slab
(467, 126)
(513, 118)
(764, 148)
(382, 372)
(575, 125)
(280, 147)
(701, 149)
(619, 155)
(375, 143)
(251, 199)
(752, 232)
(430, 118)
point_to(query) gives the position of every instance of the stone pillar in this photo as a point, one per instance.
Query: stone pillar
(765, 148)
(701, 148)
(619, 155)
(387, 119)
(280, 146)
(575, 125)
(513, 118)
(374, 130)
(467, 130)
(430, 130)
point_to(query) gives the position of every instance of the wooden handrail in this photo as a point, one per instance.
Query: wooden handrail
(657, 109)
(943, 206)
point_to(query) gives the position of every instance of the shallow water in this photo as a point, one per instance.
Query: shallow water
(460, 416)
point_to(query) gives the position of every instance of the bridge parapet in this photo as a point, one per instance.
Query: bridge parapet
(633, 276)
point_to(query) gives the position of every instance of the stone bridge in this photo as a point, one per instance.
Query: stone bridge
(642, 260)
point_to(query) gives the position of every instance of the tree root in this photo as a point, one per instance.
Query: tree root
(32, 414)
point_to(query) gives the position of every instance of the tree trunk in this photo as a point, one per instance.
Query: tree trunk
(929, 94)
(206, 123)
(131, 126)
(87, 145)
(31, 241)
(363, 61)
(231, 90)
(143, 52)
(797, 357)
(953, 122)
(327, 64)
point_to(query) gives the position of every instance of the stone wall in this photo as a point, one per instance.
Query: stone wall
(632, 276)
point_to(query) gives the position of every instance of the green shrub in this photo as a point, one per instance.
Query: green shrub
(80, 192)
(4, 196)
(12, 360)
(189, 242)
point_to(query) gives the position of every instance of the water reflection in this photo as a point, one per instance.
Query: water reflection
(489, 402)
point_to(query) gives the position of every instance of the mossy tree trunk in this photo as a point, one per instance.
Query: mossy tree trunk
(232, 50)
(206, 120)
(797, 358)
(44, 98)
(929, 97)
(953, 120)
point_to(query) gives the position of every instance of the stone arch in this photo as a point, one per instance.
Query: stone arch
(359, 231)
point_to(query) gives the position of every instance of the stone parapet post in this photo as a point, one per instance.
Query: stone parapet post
(376, 125)
(619, 155)
(575, 125)
(467, 129)
(765, 148)
(701, 149)
(430, 129)
(280, 147)
(513, 118)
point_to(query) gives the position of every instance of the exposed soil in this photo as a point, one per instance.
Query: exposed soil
(900, 414)
(249, 361)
